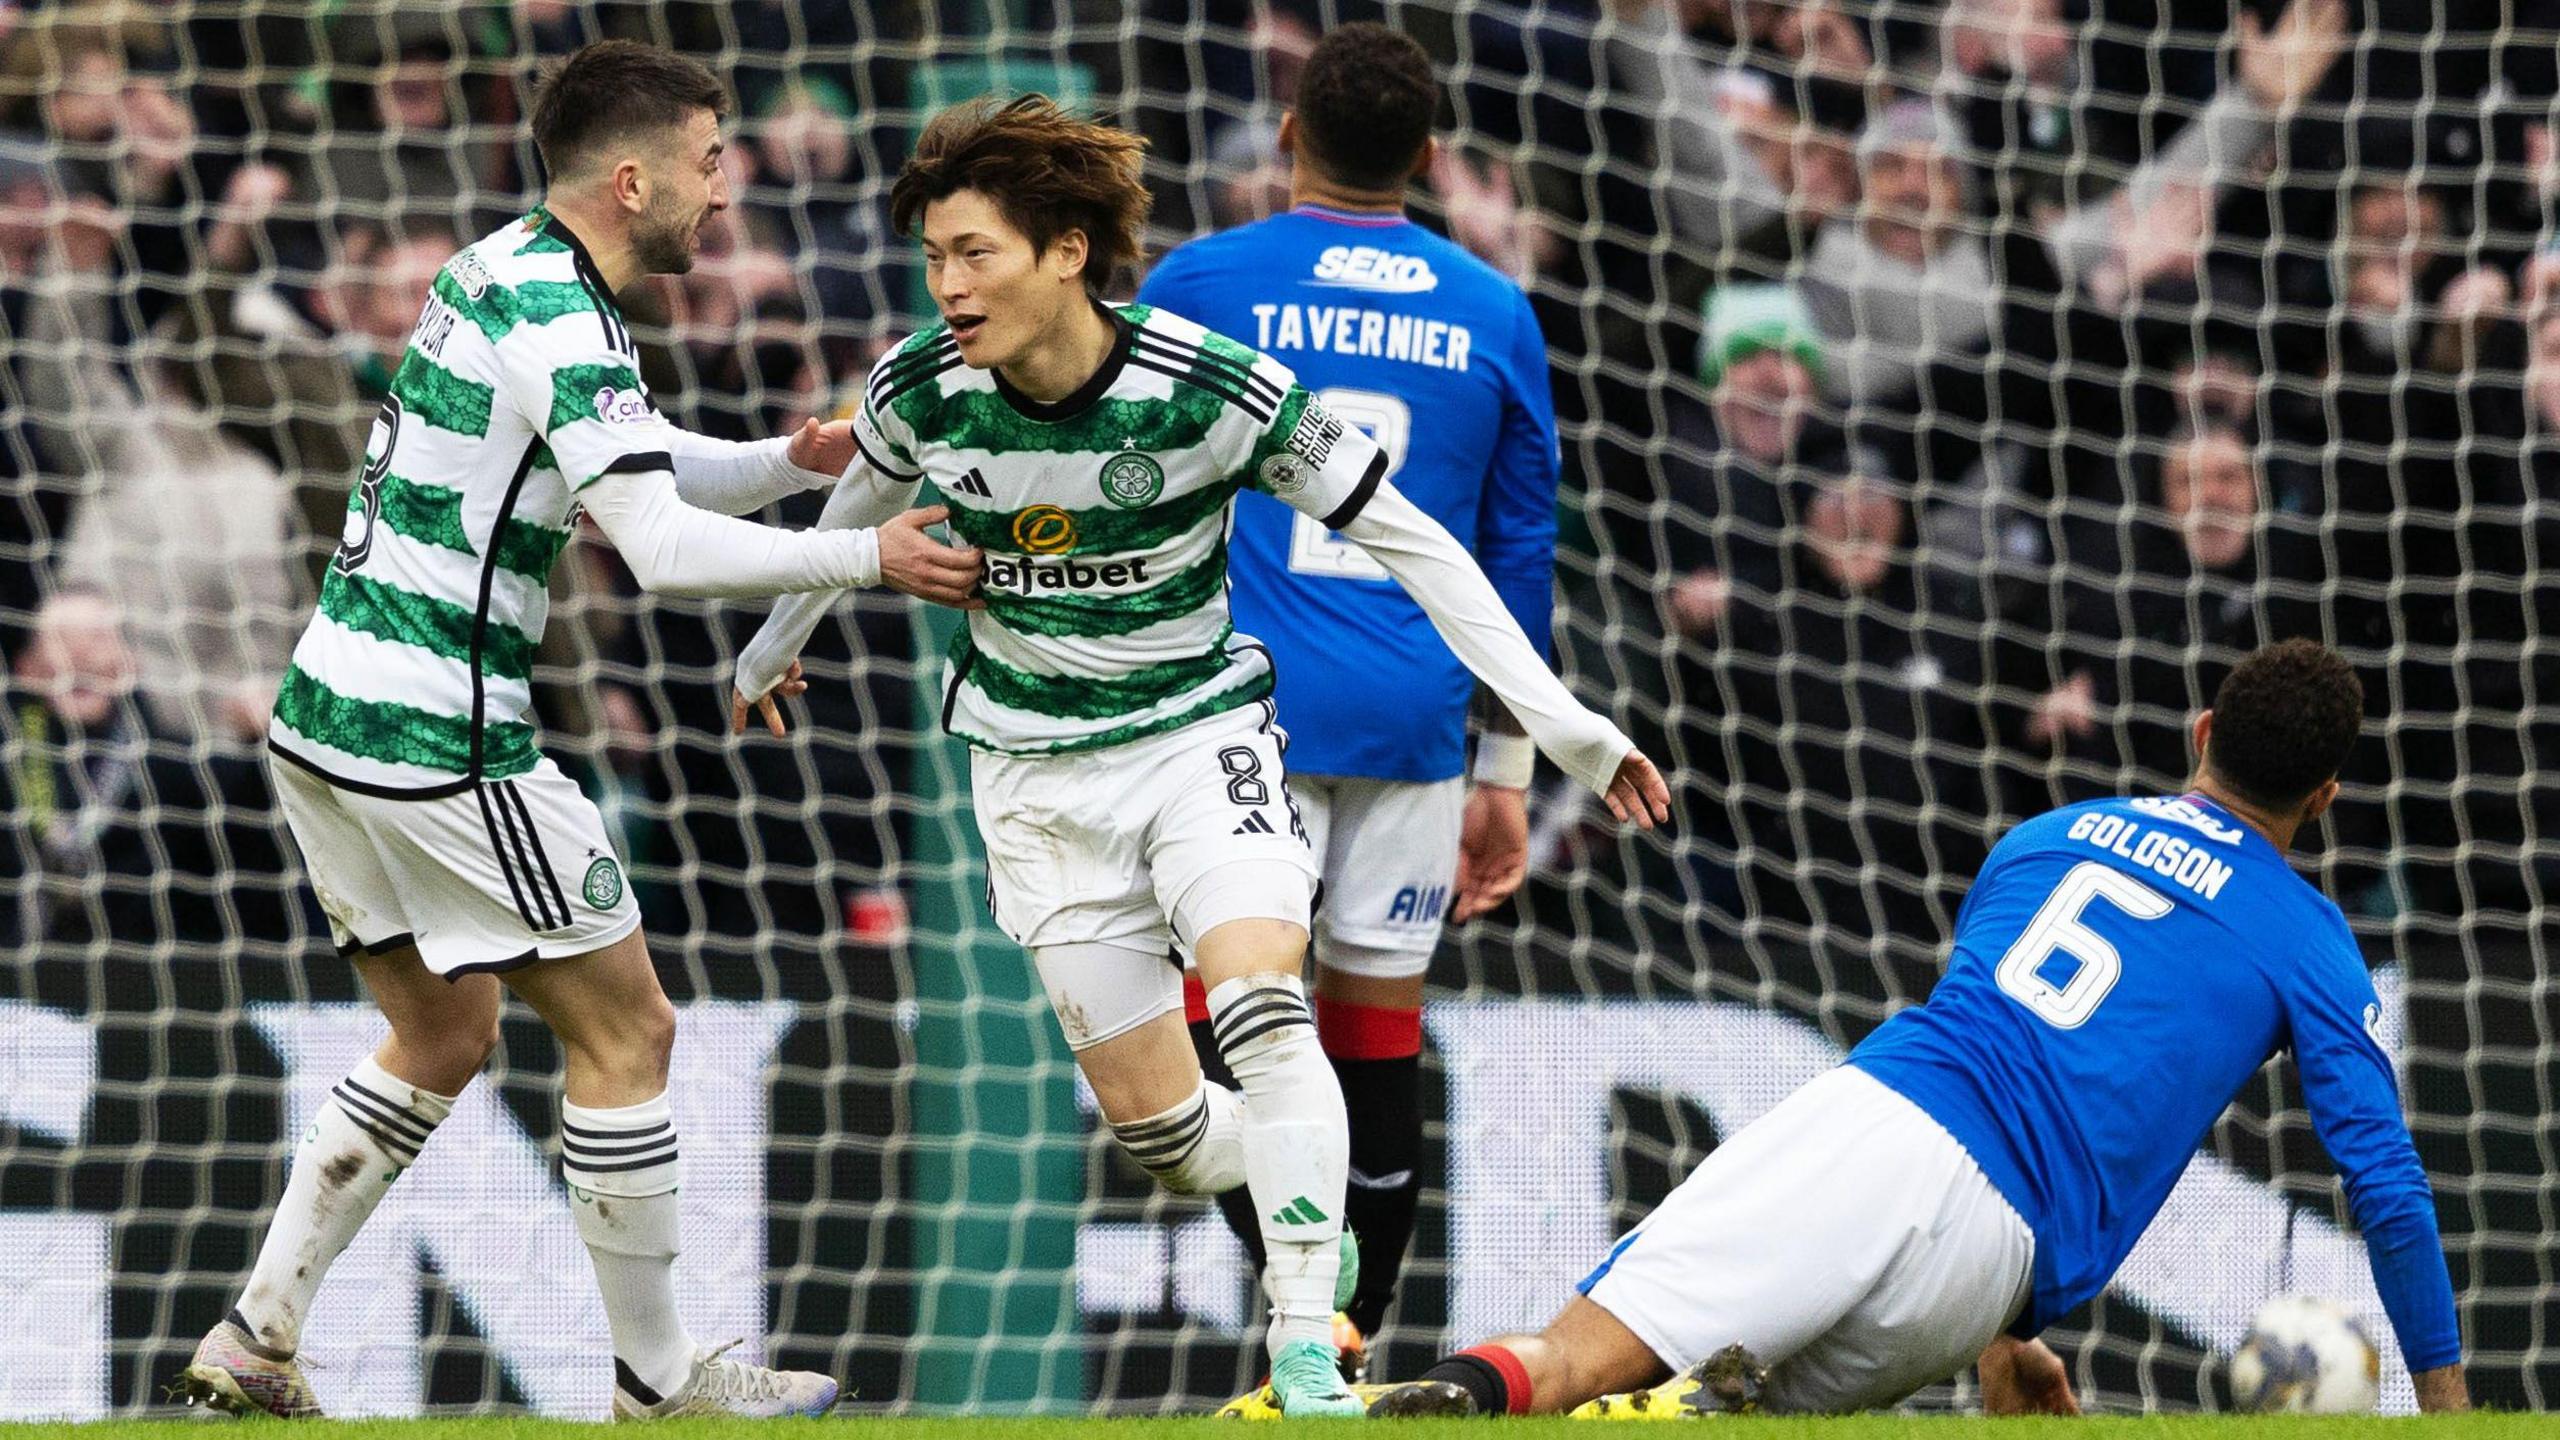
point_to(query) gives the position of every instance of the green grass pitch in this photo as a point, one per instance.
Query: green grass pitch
(1855, 1427)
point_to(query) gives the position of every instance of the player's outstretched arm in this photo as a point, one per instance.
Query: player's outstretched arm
(1444, 580)
(910, 561)
(2354, 1099)
(733, 477)
(676, 549)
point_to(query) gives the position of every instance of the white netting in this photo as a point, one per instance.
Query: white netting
(2123, 335)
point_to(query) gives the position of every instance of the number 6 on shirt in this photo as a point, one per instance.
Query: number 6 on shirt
(2057, 927)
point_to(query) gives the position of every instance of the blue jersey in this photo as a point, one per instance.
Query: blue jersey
(1439, 358)
(2121, 968)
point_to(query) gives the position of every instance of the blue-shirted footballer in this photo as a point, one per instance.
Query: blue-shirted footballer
(1438, 357)
(1985, 1161)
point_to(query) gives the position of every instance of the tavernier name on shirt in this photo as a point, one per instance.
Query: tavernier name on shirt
(2171, 857)
(1357, 329)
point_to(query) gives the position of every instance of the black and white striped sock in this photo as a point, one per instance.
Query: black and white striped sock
(390, 1111)
(1195, 1148)
(621, 1168)
(629, 1151)
(1297, 1145)
(368, 1131)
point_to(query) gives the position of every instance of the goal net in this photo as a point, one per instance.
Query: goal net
(1949, 393)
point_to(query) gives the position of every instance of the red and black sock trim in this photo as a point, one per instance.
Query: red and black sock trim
(1491, 1375)
(1368, 1032)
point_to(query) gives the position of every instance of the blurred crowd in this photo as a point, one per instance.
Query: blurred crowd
(1951, 389)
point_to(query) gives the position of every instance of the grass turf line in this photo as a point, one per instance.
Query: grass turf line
(1852, 1427)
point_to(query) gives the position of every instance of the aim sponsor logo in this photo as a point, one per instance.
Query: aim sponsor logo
(1366, 267)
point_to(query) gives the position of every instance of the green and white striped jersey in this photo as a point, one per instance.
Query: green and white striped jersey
(1104, 521)
(520, 386)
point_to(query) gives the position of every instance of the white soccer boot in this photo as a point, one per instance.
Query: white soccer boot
(232, 1372)
(1306, 1382)
(718, 1386)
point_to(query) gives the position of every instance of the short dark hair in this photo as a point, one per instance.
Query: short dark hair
(1366, 101)
(2283, 722)
(609, 91)
(1047, 170)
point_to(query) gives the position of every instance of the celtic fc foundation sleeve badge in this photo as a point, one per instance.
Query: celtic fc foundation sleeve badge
(1130, 480)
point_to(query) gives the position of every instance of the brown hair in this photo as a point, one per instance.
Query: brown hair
(608, 92)
(2283, 722)
(1365, 106)
(1048, 172)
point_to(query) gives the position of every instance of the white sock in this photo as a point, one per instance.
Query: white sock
(621, 1169)
(368, 1132)
(1195, 1148)
(1297, 1145)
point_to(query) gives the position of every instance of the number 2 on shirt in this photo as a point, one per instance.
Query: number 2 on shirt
(2057, 927)
(1314, 550)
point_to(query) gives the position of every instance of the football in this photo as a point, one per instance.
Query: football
(2307, 1355)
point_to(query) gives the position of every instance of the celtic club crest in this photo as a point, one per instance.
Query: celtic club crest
(1130, 480)
(604, 884)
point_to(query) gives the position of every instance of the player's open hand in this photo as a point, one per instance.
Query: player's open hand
(1638, 796)
(915, 563)
(2025, 1377)
(826, 449)
(1493, 850)
(766, 704)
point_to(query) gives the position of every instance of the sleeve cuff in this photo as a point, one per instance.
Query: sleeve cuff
(872, 458)
(1349, 510)
(635, 462)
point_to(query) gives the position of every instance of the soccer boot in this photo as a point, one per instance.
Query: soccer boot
(1306, 1382)
(1352, 1349)
(719, 1386)
(233, 1373)
(1729, 1382)
(1416, 1400)
(1346, 1281)
(1258, 1403)
(1410, 1399)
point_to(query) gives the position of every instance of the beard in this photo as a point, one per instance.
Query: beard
(663, 245)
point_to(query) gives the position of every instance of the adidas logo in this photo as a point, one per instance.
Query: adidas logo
(973, 483)
(1301, 1211)
(1253, 824)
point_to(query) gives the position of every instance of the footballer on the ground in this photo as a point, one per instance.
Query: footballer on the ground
(452, 857)
(1125, 765)
(1983, 1162)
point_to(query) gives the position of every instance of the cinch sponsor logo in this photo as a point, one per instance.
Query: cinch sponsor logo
(1022, 577)
(622, 407)
(1366, 267)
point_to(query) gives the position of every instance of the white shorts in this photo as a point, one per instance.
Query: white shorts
(1845, 1237)
(1389, 849)
(1100, 863)
(491, 879)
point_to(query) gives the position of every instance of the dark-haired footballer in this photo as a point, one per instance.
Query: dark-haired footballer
(1439, 358)
(1125, 767)
(1985, 1161)
(452, 857)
